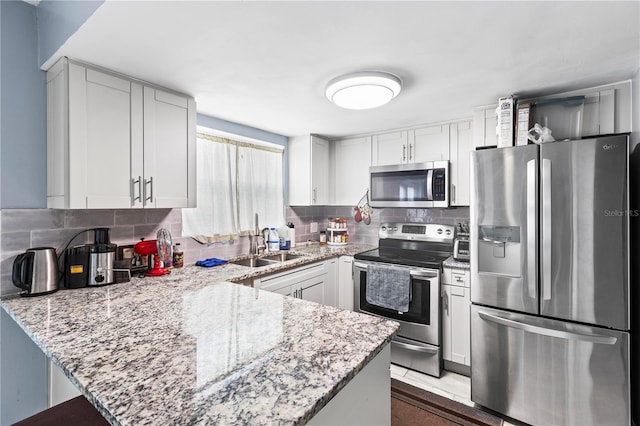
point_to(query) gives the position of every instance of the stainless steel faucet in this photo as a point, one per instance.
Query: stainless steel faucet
(254, 246)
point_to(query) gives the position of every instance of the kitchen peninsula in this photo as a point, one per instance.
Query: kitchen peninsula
(191, 348)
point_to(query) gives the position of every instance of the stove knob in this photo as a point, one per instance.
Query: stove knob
(439, 231)
(448, 232)
(384, 228)
(395, 228)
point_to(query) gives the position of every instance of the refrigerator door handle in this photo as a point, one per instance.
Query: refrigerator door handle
(550, 332)
(532, 278)
(546, 229)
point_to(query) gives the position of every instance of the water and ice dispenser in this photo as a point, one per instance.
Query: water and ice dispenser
(499, 250)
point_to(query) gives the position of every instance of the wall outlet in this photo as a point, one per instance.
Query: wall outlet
(314, 227)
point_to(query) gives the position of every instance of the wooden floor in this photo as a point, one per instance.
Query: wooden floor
(412, 406)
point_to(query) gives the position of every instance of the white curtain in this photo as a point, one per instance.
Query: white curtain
(260, 188)
(215, 217)
(235, 181)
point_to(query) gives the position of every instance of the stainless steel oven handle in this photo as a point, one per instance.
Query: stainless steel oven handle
(550, 332)
(416, 274)
(415, 347)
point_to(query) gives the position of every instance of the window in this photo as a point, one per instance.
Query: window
(235, 179)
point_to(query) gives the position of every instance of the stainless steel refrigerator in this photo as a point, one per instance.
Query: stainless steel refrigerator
(550, 315)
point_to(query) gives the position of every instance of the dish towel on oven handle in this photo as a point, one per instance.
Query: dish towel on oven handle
(388, 287)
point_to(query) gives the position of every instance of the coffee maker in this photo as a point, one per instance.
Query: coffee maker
(91, 264)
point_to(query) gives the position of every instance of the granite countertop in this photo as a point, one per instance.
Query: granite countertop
(188, 348)
(452, 263)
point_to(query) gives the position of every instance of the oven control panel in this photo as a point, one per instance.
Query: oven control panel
(417, 231)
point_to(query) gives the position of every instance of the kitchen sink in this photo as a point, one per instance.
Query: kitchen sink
(282, 257)
(254, 262)
(272, 259)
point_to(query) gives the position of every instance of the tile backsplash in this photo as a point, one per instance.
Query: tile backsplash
(303, 216)
(21, 229)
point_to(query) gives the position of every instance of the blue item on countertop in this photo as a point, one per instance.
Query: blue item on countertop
(211, 262)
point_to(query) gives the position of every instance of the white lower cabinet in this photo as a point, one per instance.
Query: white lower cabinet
(315, 282)
(456, 317)
(345, 282)
(60, 387)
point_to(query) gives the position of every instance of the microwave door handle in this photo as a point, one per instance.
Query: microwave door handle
(430, 185)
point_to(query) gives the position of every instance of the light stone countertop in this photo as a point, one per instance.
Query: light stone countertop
(450, 262)
(191, 348)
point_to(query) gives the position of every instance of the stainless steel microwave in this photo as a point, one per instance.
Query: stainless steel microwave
(417, 185)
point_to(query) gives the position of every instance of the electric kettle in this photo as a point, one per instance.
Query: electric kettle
(36, 271)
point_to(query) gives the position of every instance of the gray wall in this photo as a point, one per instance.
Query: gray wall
(58, 20)
(23, 148)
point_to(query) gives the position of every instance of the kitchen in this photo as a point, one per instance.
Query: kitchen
(29, 228)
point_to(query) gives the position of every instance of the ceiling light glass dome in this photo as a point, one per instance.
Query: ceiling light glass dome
(363, 90)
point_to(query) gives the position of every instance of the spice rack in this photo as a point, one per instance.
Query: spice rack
(337, 232)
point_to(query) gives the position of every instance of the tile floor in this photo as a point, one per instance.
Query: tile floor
(450, 385)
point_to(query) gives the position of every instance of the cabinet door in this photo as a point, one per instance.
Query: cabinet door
(460, 148)
(313, 290)
(351, 159)
(391, 148)
(100, 131)
(319, 171)
(460, 306)
(429, 144)
(484, 127)
(345, 283)
(169, 150)
(446, 322)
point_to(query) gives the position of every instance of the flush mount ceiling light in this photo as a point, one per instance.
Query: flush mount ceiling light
(363, 90)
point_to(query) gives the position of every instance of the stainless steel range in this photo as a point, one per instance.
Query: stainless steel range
(410, 256)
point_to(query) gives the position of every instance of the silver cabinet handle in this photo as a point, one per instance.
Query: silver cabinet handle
(314, 195)
(414, 347)
(532, 221)
(445, 301)
(300, 294)
(550, 332)
(150, 198)
(133, 190)
(546, 229)
(410, 152)
(453, 193)
(404, 153)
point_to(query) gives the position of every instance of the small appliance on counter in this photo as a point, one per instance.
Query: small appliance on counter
(91, 264)
(101, 259)
(461, 251)
(36, 271)
(160, 248)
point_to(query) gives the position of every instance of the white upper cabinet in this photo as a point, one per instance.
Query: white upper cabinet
(485, 122)
(168, 141)
(351, 161)
(308, 171)
(607, 109)
(391, 148)
(109, 142)
(429, 144)
(460, 147)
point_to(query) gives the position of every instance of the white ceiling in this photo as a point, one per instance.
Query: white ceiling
(265, 64)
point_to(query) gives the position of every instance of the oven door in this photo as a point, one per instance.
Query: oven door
(422, 321)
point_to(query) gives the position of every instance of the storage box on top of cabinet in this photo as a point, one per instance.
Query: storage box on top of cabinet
(117, 142)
